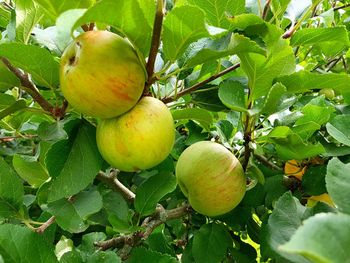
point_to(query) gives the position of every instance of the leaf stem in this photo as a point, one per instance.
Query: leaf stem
(199, 84)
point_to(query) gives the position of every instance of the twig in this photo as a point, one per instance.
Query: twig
(198, 85)
(30, 87)
(150, 223)
(157, 29)
(11, 138)
(333, 63)
(247, 139)
(266, 162)
(296, 26)
(117, 186)
(341, 7)
(41, 229)
(266, 9)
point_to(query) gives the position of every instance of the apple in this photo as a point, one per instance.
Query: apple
(139, 139)
(101, 74)
(211, 177)
(328, 93)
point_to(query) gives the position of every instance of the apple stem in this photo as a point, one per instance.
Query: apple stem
(157, 29)
(200, 84)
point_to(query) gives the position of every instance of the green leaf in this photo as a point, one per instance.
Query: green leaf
(302, 81)
(338, 184)
(8, 79)
(6, 100)
(88, 240)
(285, 219)
(11, 191)
(243, 21)
(54, 8)
(290, 145)
(64, 24)
(16, 106)
(34, 60)
(278, 7)
(80, 163)
(311, 36)
(152, 190)
(273, 99)
(30, 170)
(16, 241)
(232, 95)
(52, 132)
(87, 203)
(71, 257)
(204, 117)
(126, 16)
(66, 216)
(28, 15)
(323, 238)
(141, 254)
(261, 71)
(313, 181)
(339, 129)
(117, 210)
(105, 257)
(331, 40)
(70, 215)
(216, 11)
(182, 26)
(210, 243)
(158, 241)
(206, 49)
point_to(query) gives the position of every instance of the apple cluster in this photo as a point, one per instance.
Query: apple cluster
(102, 76)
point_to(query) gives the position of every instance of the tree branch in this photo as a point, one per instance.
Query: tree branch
(41, 229)
(341, 7)
(157, 29)
(149, 224)
(247, 139)
(198, 85)
(266, 9)
(32, 90)
(116, 185)
(267, 163)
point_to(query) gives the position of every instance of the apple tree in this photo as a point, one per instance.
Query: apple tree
(174, 131)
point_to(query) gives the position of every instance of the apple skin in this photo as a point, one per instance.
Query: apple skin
(211, 177)
(139, 139)
(101, 74)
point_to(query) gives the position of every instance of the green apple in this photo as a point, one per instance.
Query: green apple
(139, 139)
(211, 177)
(101, 74)
(328, 93)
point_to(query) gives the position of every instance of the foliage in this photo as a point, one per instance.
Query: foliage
(250, 75)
